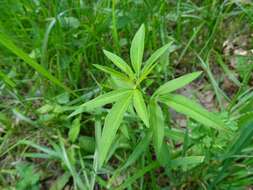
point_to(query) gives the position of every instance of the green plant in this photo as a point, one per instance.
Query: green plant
(48, 51)
(130, 92)
(28, 179)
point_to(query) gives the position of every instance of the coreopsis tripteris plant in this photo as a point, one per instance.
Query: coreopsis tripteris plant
(147, 107)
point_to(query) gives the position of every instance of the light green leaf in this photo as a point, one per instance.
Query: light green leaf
(100, 101)
(149, 64)
(140, 107)
(137, 48)
(188, 160)
(14, 49)
(190, 108)
(157, 125)
(112, 72)
(120, 63)
(117, 83)
(112, 123)
(74, 130)
(177, 83)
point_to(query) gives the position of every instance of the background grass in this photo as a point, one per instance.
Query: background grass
(48, 49)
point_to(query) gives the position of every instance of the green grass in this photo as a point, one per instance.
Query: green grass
(108, 94)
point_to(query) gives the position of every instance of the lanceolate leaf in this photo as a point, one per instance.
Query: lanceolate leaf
(112, 72)
(177, 83)
(120, 63)
(157, 124)
(117, 83)
(153, 58)
(190, 108)
(137, 48)
(100, 101)
(140, 107)
(112, 123)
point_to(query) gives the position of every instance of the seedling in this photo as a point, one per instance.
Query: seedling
(147, 107)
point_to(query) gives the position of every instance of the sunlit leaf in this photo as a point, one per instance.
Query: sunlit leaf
(190, 108)
(177, 83)
(101, 100)
(149, 64)
(120, 63)
(140, 107)
(137, 48)
(112, 72)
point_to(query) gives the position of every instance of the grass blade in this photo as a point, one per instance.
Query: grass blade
(7, 80)
(243, 139)
(14, 49)
(138, 174)
(139, 149)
